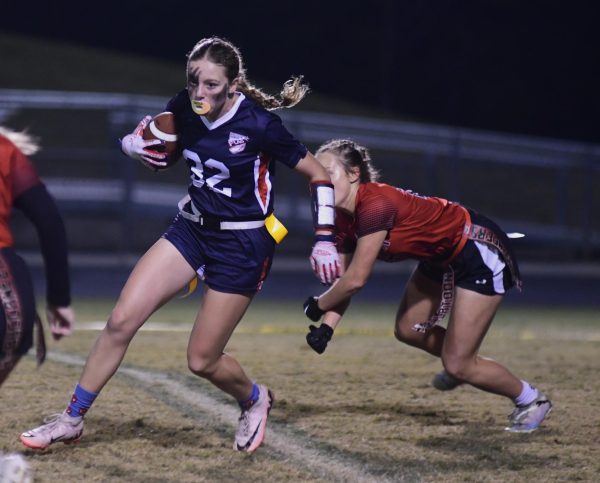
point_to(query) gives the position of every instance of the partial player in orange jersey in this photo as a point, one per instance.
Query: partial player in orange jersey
(21, 187)
(466, 265)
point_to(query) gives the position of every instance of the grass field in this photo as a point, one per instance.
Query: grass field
(363, 411)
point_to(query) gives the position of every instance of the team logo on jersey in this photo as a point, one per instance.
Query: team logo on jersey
(237, 142)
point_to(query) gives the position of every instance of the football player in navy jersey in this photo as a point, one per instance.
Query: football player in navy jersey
(230, 140)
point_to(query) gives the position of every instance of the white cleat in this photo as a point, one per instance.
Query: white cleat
(14, 468)
(253, 422)
(526, 419)
(58, 427)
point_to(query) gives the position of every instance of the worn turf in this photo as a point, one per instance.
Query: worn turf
(363, 411)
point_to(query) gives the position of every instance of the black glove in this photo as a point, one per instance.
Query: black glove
(312, 310)
(318, 337)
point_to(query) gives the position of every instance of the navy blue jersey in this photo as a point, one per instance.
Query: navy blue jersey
(231, 160)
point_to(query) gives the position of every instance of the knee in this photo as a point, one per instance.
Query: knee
(457, 367)
(120, 325)
(201, 365)
(406, 334)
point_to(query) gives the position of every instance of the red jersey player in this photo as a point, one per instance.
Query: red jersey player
(21, 187)
(465, 266)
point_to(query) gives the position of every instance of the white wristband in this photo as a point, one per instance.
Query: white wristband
(323, 205)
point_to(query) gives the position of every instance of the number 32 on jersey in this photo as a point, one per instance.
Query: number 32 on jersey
(198, 178)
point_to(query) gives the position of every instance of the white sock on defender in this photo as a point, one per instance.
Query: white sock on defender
(528, 394)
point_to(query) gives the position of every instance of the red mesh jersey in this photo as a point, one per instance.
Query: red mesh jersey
(17, 175)
(418, 227)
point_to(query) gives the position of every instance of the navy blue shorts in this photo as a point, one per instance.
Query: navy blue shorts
(478, 267)
(231, 261)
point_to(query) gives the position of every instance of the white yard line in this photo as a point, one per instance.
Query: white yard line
(147, 327)
(550, 333)
(296, 448)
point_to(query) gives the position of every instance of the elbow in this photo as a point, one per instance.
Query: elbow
(355, 284)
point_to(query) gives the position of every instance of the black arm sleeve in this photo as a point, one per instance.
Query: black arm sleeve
(39, 207)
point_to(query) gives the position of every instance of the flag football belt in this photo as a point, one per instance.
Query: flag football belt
(470, 232)
(14, 318)
(212, 223)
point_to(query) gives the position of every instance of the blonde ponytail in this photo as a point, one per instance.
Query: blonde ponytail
(25, 142)
(223, 52)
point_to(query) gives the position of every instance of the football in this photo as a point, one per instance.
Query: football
(162, 126)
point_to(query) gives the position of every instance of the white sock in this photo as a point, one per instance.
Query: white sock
(528, 394)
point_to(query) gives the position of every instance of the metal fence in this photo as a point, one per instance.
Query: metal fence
(545, 188)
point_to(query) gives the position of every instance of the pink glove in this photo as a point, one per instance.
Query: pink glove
(325, 260)
(60, 320)
(136, 147)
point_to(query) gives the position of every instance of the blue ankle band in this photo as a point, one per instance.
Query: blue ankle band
(248, 403)
(81, 401)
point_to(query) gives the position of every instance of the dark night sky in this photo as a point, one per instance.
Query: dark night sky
(518, 66)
